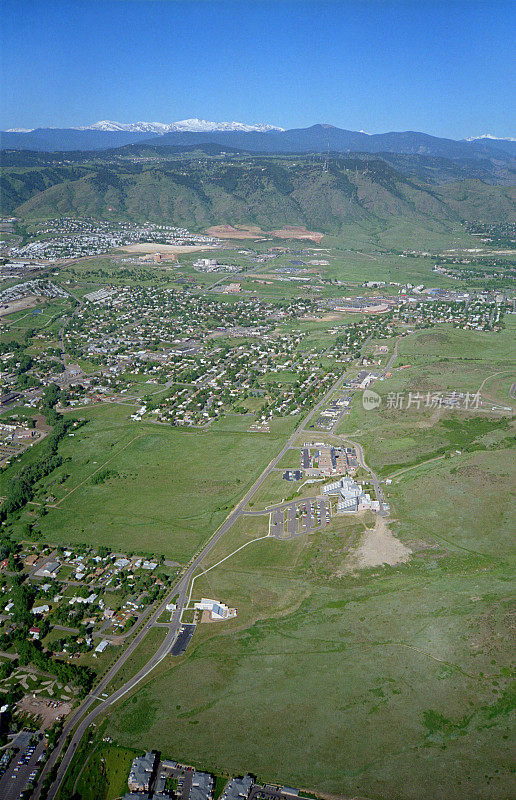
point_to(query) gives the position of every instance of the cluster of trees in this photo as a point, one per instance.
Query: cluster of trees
(33, 654)
(22, 595)
(22, 489)
(71, 644)
(104, 475)
(29, 652)
(355, 334)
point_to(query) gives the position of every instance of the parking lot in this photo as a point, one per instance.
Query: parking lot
(183, 640)
(300, 516)
(23, 766)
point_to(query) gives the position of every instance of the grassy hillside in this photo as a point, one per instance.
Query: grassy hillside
(264, 191)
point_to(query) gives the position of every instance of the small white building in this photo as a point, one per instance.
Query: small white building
(40, 609)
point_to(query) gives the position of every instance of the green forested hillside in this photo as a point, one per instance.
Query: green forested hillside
(264, 191)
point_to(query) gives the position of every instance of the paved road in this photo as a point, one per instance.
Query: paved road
(65, 323)
(384, 507)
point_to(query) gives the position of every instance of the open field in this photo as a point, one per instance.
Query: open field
(253, 232)
(100, 773)
(169, 489)
(139, 658)
(105, 774)
(404, 670)
(34, 314)
(438, 360)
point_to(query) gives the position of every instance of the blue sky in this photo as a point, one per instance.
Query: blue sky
(446, 68)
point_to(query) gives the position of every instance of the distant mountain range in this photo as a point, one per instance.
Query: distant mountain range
(185, 125)
(262, 138)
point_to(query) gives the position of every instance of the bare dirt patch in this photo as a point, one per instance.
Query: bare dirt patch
(46, 710)
(475, 472)
(21, 305)
(297, 232)
(329, 317)
(229, 232)
(254, 232)
(379, 546)
(152, 247)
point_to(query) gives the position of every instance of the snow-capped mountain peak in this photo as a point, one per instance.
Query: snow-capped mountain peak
(490, 136)
(159, 128)
(132, 127)
(184, 125)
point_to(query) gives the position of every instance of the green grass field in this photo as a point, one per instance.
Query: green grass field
(101, 773)
(139, 658)
(168, 491)
(392, 681)
(402, 672)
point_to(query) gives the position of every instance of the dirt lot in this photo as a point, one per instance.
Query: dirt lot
(331, 316)
(47, 710)
(229, 232)
(20, 305)
(297, 232)
(152, 247)
(253, 232)
(379, 546)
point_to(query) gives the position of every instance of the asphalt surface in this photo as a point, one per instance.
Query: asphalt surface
(17, 776)
(183, 640)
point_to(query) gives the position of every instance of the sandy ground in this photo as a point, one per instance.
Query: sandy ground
(229, 232)
(253, 232)
(39, 707)
(329, 317)
(297, 232)
(380, 546)
(20, 305)
(152, 247)
(377, 547)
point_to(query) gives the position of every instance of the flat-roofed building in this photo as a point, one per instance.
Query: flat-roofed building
(351, 496)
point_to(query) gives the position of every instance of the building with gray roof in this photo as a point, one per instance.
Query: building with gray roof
(202, 786)
(142, 772)
(238, 788)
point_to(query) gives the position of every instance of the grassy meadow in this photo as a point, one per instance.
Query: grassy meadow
(167, 489)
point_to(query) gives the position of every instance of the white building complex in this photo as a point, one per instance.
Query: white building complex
(351, 496)
(216, 610)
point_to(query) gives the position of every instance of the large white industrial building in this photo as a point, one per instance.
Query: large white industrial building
(351, 496)
(217, 610)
